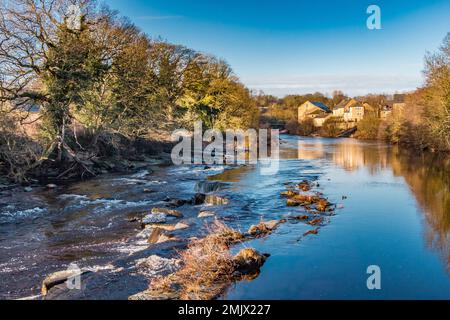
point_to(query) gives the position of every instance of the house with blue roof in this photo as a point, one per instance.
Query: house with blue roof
(317, 111)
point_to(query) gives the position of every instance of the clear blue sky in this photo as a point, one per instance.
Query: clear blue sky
(295, 46)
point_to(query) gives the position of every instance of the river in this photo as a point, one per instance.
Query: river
(393, 211)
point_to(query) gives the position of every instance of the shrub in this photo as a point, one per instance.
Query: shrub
(18, 153)
(368, 128)
(330, 128)
(293, 127)
(306, 127)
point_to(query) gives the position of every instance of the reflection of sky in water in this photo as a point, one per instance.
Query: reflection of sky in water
(397, 216)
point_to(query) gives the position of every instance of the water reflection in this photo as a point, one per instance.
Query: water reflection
(427, 175)
(429, 179)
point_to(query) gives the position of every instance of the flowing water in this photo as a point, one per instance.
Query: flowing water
(392, 211)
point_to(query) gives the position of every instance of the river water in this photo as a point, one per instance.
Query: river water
(392, 211)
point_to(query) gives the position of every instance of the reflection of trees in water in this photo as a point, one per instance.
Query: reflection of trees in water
(353, 155)
(428, 177)
(429, 180)
(233, 175)
(349, 154)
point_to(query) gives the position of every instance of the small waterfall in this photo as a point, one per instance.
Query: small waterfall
(209, 186)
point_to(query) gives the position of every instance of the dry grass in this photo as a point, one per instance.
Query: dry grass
(208, 266)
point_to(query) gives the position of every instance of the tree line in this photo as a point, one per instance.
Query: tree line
(104, 75)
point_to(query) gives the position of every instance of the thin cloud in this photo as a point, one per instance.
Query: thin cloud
(351, 84)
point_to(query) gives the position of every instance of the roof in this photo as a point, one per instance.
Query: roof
(346, 103)
(341, 104)
(321, 106)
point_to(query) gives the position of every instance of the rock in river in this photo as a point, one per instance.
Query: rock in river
(304, 185)
(168, 212)
(215, 200)
(322, 205)
(264, 227)
(154, 236)
(199, 198)
(57, 278)
(314, 231)
(158, 236)
(154, 218)
(168, 227)
(206, 214)
(157, 266)
(249, 260)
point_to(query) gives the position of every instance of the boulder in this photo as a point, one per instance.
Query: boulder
(168, 212)
(28, 189)
(301, 200)
(168, 227)
(58, 278)
(206, 214)
(304, 186)
(175, 203)
(199, 198)
(322, 205)
(249, 260)
(314, 231)
(216, 200)
(289, 194)
(157, 266)
(158, 236)
(155, 235)
(274, 223)
(264, 227)
(167, 237)
(301, 217)
(154, 218)
(181, 226)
